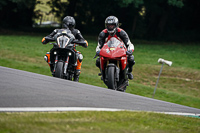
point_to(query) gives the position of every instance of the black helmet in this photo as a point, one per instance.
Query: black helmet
(69, 22)
(111, 24)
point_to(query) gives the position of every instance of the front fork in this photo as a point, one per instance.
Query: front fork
(56, 60)
(66, 65)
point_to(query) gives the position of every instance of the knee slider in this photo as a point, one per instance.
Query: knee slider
(47, 57)
(80, 57)
(131, 60)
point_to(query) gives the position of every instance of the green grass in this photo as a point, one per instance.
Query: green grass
(97, 122)
(178, 84)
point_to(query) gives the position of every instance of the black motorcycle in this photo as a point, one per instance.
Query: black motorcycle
(62, 58)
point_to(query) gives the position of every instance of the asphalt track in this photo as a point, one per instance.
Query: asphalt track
(21, 89)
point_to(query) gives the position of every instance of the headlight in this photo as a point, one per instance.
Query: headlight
(70, 53)
(55, 52)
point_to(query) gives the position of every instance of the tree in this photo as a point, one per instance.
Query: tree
(16, 13)
(158, 14)
(153, 15)
(89, 15)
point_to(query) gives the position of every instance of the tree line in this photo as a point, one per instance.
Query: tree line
(143, 19)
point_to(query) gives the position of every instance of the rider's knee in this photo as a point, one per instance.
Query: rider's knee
(47, 57)
(80, 56)
(131, 60)
(98, 62)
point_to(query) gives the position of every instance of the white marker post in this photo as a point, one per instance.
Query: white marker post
(162, 61)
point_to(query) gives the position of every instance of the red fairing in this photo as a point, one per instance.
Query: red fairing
(123, 62)
(113, 50)
(102, 62)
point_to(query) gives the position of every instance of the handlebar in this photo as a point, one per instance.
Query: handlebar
(76, 41)
(130, 52)
(97, 54)
(49, 38)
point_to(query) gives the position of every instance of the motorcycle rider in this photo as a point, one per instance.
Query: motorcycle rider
(112, 30)
(69, 25)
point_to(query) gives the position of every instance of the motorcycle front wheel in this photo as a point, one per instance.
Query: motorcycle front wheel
(59, 70)
(112, 84)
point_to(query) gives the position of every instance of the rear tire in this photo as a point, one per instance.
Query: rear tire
(112, 84)
(59, 70)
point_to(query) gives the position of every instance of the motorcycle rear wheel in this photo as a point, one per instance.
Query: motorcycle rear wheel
(112, 84)
(59, 70)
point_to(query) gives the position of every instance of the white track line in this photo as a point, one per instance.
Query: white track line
(185, 114)
(59, 109)
(49, 109)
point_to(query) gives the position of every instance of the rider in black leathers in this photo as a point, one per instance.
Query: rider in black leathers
(113, 30)
(69, 26)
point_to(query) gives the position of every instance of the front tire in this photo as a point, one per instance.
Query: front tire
(59, 70)
(112, 84)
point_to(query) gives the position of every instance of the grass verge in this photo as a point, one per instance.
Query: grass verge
(97, 122)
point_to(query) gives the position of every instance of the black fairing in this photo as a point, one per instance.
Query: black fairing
(62, 55)
(63, 40)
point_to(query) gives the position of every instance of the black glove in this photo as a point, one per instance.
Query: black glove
(97, 54)
(130, 52)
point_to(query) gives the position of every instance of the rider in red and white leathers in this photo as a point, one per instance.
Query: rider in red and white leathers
(113, 30)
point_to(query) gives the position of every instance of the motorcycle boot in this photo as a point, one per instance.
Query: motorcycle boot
(98, 62)
(130, 75)
(51, 69)
(131, 62)
(98, 65)
(78, 70)
(76, 75)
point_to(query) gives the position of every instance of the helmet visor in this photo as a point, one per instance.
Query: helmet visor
(70, 24)
(110, 27)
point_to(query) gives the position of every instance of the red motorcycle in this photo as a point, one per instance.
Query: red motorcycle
(114, 64)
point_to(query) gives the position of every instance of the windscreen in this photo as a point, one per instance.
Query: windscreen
(113, 42)
(65, 40)
(62, 41)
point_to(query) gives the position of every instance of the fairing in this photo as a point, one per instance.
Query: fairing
(113, 49)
